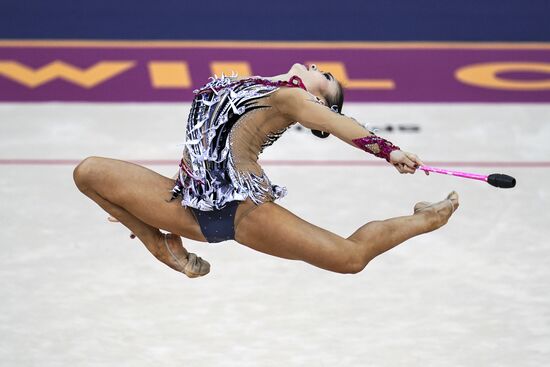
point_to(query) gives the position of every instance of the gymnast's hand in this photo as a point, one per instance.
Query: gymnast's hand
(405, 162)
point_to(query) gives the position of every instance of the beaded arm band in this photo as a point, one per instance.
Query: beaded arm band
(376, 145)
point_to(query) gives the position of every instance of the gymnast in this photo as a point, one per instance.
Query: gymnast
(221, 192)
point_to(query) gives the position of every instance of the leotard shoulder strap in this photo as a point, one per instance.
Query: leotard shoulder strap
(217, 85)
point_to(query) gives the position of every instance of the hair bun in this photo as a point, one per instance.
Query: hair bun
(320, 134)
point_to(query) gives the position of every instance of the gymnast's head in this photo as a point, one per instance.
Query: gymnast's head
(323, 85)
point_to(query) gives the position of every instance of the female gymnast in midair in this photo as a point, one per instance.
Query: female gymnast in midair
(222, 193)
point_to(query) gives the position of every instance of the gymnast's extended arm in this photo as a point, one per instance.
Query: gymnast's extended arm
(299, 105)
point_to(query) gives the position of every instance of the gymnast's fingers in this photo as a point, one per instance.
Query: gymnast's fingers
(403, 168)
(414, 158)
(409, 163)
(408, 169)
(418, 162)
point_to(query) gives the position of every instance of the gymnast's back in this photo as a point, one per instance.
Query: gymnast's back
(230, 123)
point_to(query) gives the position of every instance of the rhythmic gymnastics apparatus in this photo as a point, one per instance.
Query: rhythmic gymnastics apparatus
(221, 192)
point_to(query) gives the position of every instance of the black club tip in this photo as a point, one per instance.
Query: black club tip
(502, 181)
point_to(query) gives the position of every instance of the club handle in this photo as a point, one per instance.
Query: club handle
(472, 176)
(495, 179)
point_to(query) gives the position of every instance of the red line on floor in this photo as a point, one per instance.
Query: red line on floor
(290, 163)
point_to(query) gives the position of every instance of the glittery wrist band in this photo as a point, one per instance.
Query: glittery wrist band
(376, 145)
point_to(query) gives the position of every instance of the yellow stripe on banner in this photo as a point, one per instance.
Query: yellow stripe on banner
(85, 78)
(486, 75)
(170, 74)
(241, 68)
(276, 44)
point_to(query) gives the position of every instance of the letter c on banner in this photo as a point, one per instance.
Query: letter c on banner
(486, 75)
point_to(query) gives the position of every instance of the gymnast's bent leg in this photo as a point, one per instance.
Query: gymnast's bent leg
(276, 231)
(137, 197)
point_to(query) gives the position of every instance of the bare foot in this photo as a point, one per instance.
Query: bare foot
(421, 205)
(179, 259)
(442, 209)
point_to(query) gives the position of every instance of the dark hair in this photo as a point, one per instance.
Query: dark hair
(335, 102)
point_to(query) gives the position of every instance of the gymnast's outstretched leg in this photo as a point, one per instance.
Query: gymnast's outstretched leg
(137, 197)
(276, 231)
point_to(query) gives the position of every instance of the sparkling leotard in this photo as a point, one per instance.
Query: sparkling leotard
(219, 162)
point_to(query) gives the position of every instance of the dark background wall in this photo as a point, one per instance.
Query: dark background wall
(376, 20)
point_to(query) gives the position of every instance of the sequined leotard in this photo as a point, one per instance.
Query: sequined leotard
(219, 162)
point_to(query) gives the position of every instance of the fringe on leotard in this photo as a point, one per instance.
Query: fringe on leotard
(208, 177)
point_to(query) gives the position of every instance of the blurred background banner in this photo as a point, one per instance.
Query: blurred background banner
(382, 51)
(158, 71)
